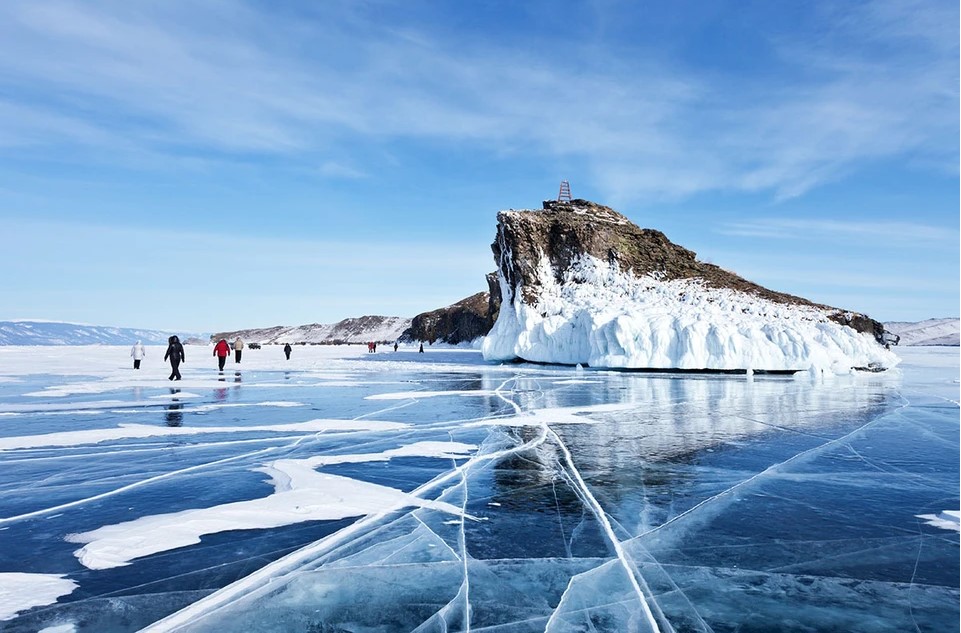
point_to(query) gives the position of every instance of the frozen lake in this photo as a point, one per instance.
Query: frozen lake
(345, 491)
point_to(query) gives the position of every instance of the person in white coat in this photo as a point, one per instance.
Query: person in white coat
(137, 352)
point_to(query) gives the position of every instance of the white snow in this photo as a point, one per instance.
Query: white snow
(554, 415)
(927, 332)
(69, 627)
(20, 591)
(301, 494)
(97, 406)
(204, 408)
(449, 450)
(139, 431)
(947, 520)
(603, 317)
(415, 395)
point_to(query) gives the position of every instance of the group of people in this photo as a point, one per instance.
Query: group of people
(222, 351)
(175, 354)
(372, 347)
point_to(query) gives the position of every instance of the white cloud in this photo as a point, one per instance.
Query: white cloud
(178, 78)
(886, 233)
(333, 169)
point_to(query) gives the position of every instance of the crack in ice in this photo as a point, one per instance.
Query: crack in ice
(602, 518)
(258, 579)
(769, 470)
(132, 486)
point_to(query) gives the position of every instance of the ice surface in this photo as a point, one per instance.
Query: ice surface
(551, 499)
(301, 494)
(599, 316)
(417, 395)
(60, 628)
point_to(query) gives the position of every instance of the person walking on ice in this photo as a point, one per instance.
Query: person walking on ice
(287, 350)
(238, 349)
(175, 352)
(221, 351)
(137, 352)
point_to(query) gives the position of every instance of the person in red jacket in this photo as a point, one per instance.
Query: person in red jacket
(221, 351)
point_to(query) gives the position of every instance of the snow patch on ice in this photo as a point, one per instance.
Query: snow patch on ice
(947, 520)
(73, 407)
(416, 395)
(70, 627)
(203, 408)
(600, 316)
(301, 494)
(554, 415)
(449, 450)
(137, 431)
(20, 591)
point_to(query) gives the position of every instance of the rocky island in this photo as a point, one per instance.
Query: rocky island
(580, 283)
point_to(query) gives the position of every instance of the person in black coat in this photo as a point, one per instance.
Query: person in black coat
(175, 352)
(287, 350)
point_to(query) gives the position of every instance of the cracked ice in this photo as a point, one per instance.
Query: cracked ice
(344, 492)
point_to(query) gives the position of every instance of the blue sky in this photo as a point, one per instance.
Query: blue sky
(226, 164)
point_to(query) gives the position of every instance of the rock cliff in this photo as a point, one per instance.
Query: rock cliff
(581, 283)
(463, 322)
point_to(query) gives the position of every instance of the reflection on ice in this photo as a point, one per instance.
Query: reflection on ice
(551, 499)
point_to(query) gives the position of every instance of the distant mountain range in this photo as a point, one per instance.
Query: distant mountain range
(53, 333)
(356, 330)
(928, 332)
(363, 329)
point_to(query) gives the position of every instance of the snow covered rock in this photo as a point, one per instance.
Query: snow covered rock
(581, 284)
(353, 330)
(927, 332)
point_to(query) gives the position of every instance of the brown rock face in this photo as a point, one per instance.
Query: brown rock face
(461, 322)
(563, 231)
